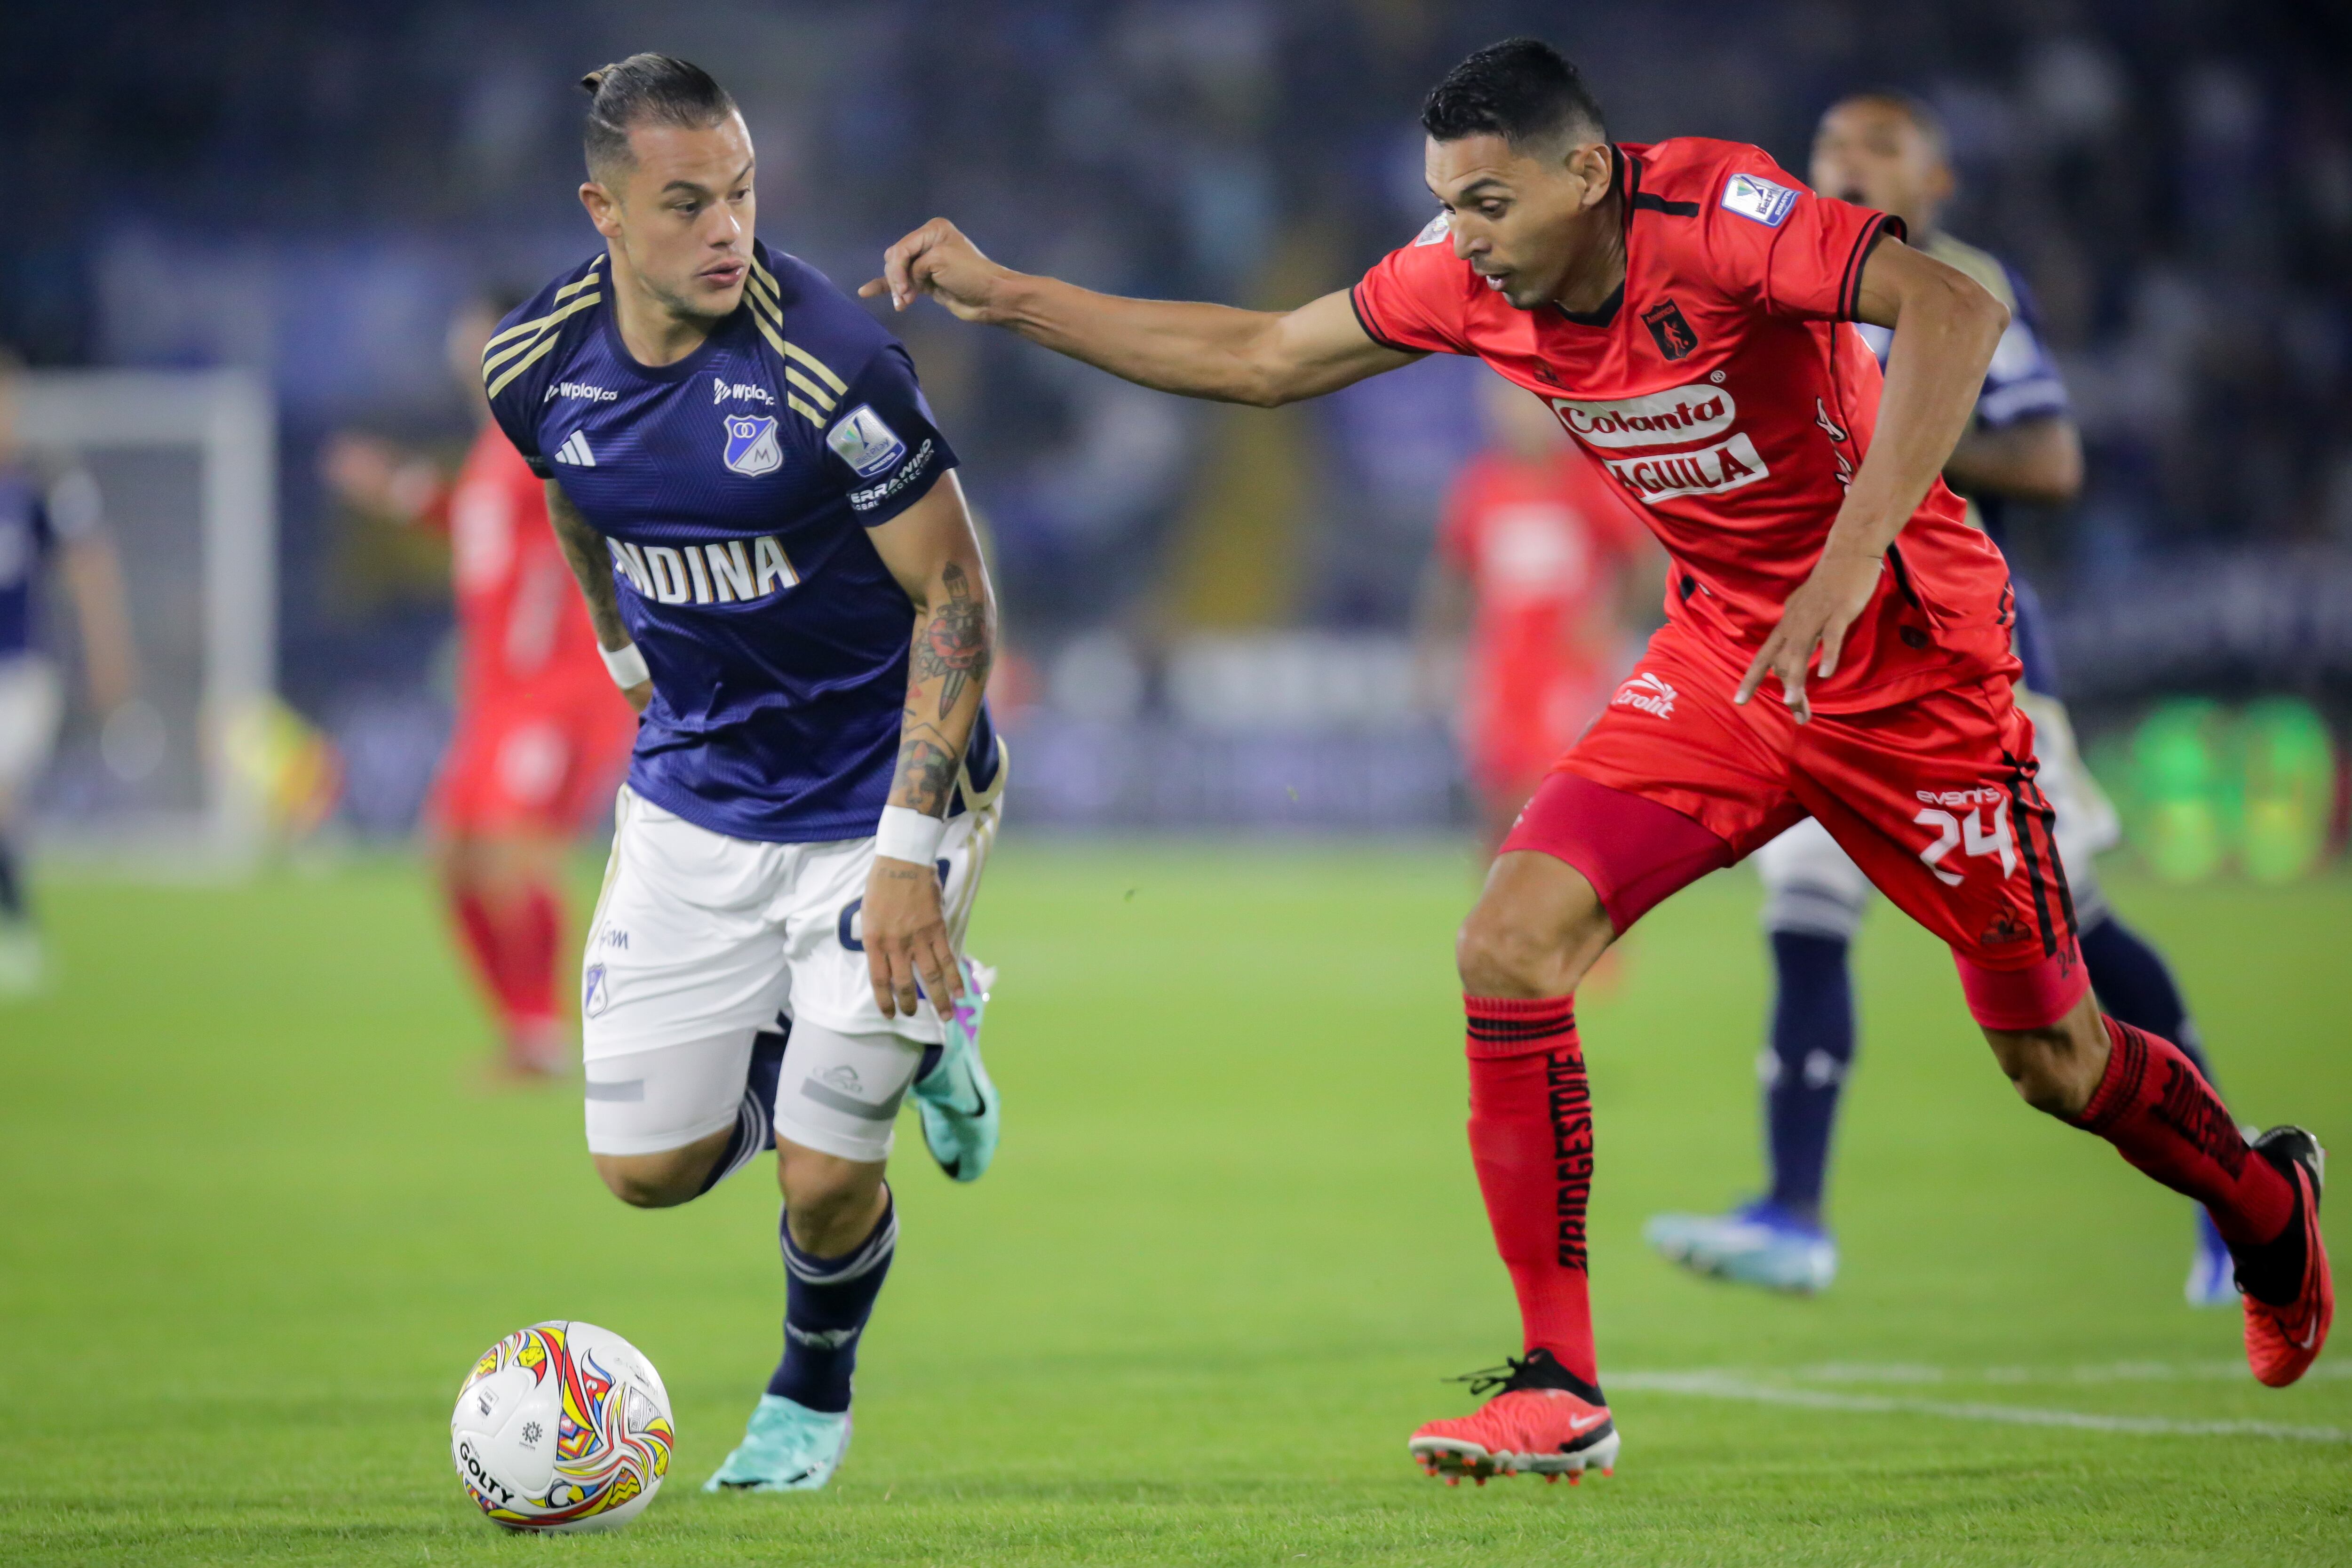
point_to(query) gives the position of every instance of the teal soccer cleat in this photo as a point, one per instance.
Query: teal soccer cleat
(959, 1104)
(787, 1448)
(1760, 1243)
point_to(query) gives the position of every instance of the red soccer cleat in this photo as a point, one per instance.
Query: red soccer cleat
(2283, 1342)
(1545, 1420)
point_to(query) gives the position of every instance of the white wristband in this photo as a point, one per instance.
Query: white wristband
(627, 665)
(909, 834)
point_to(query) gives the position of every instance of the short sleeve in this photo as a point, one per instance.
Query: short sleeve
(2022, 382)
(884, 445)
(513, 415)
(1797, 254)
(1412, 298)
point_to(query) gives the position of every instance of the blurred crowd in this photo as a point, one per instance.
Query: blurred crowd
(313, 189)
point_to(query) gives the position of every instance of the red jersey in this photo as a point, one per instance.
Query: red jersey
(1544, 546)
(523, 630)
(1725, 391)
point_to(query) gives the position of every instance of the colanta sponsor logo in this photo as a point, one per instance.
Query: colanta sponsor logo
(1671, 418)
(1710, 470)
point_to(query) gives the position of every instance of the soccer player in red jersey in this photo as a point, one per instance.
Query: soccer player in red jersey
(1836, 646)
(1539, 557)
(541, 736)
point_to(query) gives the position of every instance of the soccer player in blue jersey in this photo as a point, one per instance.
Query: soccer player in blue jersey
(1887, 149)
(48, 518)
(783, 577)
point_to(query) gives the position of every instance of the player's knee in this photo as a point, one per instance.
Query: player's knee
(649, 1180)
(1497, 955)
(824, 1195)
(2053, 1071)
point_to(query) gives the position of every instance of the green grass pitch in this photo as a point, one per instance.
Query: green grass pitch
(262, 1212)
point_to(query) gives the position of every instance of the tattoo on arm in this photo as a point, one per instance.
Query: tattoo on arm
(956, 643)
(591, 561)
(926, 774)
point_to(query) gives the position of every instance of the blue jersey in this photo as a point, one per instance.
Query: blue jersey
(34, 519)
(734, 488)
(2021, 385)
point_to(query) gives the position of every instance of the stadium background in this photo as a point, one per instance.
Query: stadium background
(1204, 605)
(266, 1211)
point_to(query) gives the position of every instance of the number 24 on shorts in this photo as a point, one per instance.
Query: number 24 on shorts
(1967, 832)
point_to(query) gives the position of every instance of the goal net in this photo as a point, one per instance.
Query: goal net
(185, 464)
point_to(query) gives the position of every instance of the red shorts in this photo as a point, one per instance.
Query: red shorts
(1935, 798)
(545, 766)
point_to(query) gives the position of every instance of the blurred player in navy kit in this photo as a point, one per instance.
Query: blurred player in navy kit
(47, 518)
(1886, 150)
(784, 580)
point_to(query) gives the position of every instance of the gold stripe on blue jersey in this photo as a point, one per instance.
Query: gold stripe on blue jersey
(526, 328)
(525, 363)
(549, 329)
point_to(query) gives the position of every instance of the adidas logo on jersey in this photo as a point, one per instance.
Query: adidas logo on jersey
(575, 451)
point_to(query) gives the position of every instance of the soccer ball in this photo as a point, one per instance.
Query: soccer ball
(561, 1425)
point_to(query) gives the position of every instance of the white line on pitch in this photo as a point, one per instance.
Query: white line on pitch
(1905, 1372)
(1718, 1385)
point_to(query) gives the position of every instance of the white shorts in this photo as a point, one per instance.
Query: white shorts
(32, 701)
(1813, 887)
(836, 1093)
(697, 936)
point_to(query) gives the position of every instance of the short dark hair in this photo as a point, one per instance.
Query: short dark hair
(645, 89)
(1911, 106)
(1521, 90)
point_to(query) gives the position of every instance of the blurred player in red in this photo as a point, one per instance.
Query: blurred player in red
(1542, 564)
(542, 736)
(1837, 646)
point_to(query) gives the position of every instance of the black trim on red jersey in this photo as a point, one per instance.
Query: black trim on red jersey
(1365, 321)
(1850, 285)
(1601, 317)
(1644, 202)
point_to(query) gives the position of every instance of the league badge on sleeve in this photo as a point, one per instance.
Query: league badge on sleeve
(751, 446)
(864, 442)
(1759, 201)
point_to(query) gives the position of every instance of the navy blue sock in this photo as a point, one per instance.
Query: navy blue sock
(767, 1065)
(1813, 1044)
(2135, 985)
(826, 1303)
(12, 884)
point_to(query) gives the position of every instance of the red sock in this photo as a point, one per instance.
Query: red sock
(478, 933)
(1531, 1139)
(2157, 1110)
(534, 928)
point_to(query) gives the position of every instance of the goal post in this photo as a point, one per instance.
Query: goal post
(186, 467)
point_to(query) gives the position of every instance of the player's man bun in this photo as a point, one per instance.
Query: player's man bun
(645, 89)
(1521, 90)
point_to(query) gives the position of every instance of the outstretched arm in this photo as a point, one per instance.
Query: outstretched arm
(1946, 327)
(591, 561)
(933, 550)
(1260, 357)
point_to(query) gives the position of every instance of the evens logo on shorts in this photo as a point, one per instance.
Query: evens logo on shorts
(1670, 418)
